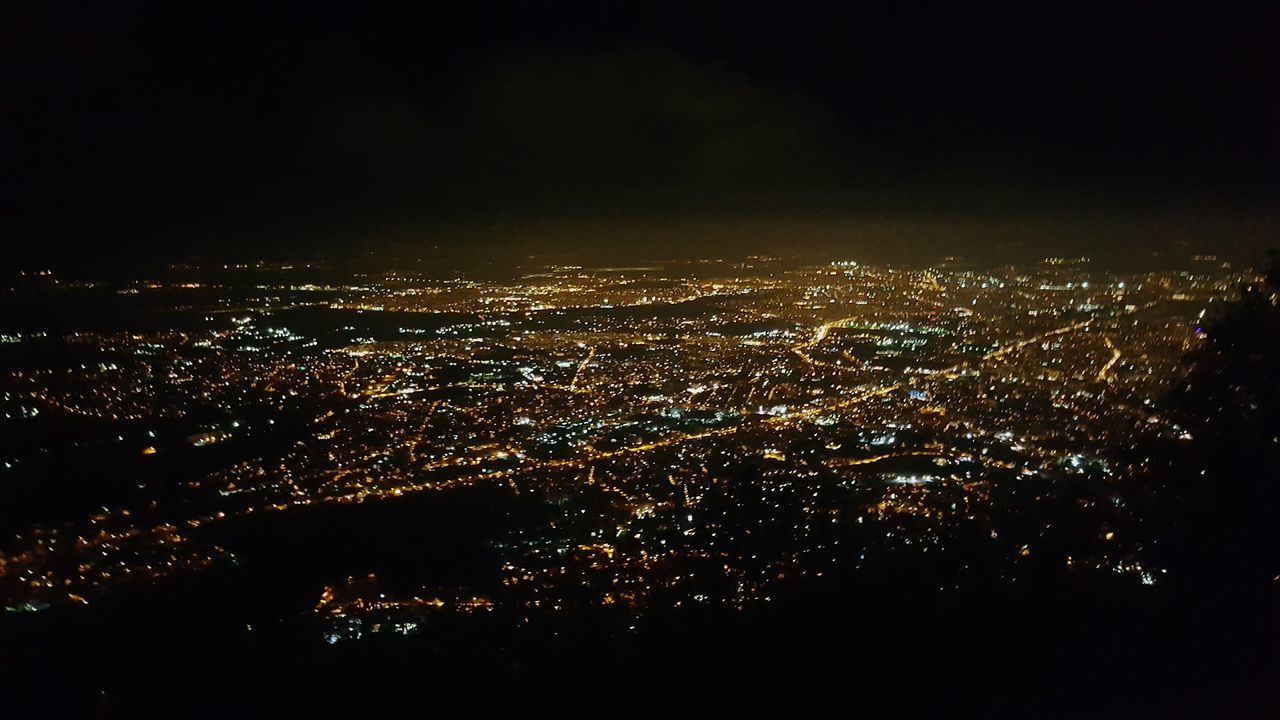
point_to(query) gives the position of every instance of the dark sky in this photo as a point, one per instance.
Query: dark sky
(136, 129)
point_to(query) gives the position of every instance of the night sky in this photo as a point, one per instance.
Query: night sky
(138, 130)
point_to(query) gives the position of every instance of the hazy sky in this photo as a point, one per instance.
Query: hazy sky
(159, 129)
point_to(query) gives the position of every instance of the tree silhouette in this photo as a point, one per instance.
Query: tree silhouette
(1223, 484)
(1231, 396)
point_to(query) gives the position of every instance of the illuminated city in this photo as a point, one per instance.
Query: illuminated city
(866, 411)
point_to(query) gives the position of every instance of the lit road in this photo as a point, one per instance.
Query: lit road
(1115, 358)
